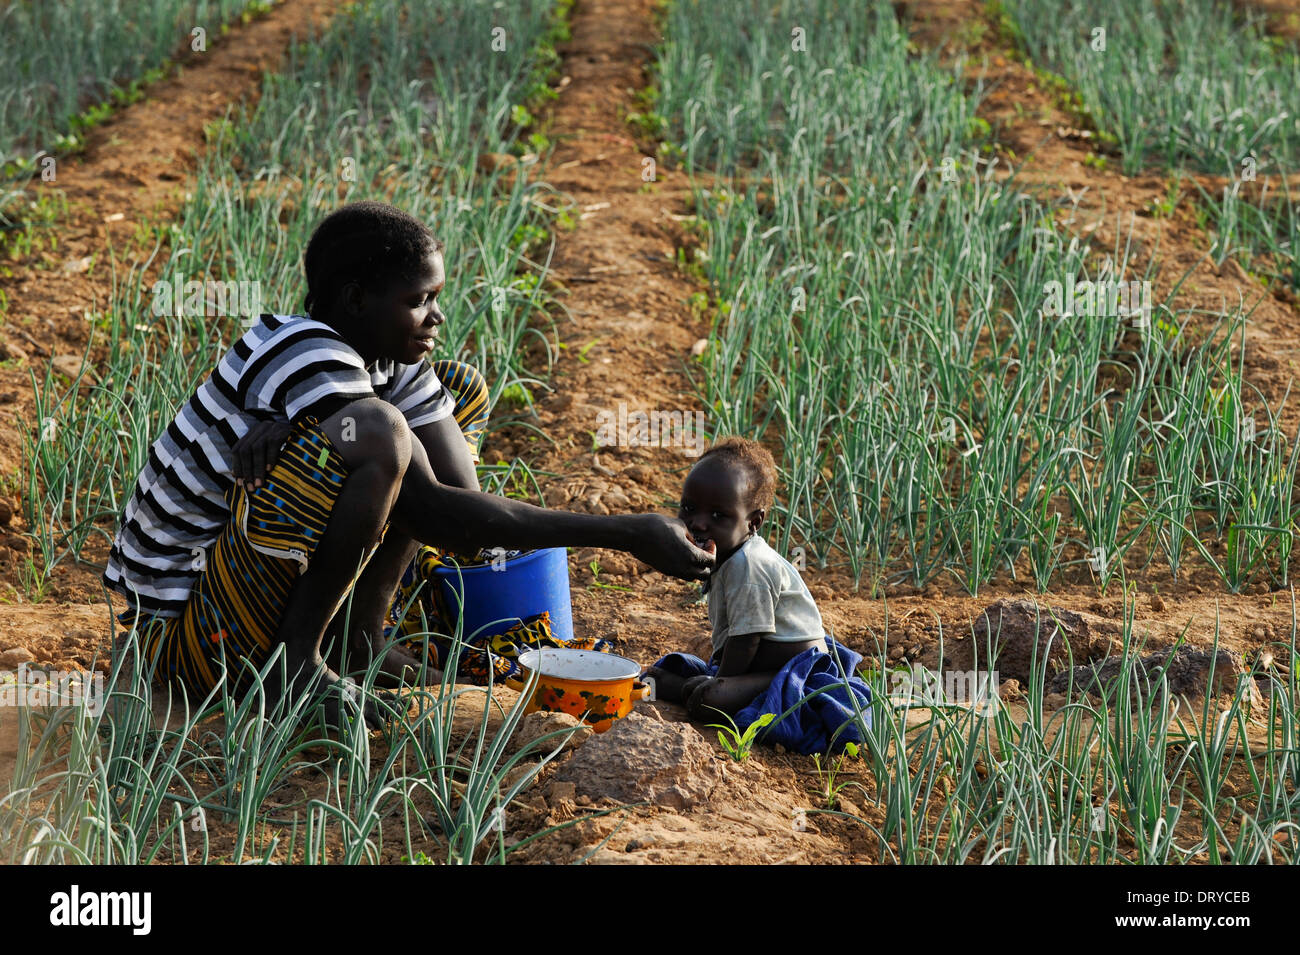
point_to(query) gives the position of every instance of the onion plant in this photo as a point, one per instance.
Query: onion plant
(1198, 83)
(1122, 773)
(58, 59)
(140, 779)
(883, 311)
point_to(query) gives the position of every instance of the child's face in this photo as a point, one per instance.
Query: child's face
(714, 507)
(401, 321)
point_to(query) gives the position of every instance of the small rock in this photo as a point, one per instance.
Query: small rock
(17, 543)
(1055, 701)
(12, 657)
(849, 807)
(534, 726)
(1010, 691)
(653, 709)
(1157, 603)
(75, 266)
(561, 792)
(700, 347)
(617, 499)
(1259, 633)
(516, 773)
(6, 513)
(72, 366)
(1020, 631)
(895, 654)
(608, 856)
(632, 846)
(1188, 675)
(638, 473)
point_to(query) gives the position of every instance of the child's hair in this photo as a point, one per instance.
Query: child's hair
(370, 243)
(757, 462)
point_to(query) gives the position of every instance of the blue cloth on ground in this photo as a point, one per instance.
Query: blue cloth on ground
(821, 722)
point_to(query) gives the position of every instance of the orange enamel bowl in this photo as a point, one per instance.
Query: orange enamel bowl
(597, 688)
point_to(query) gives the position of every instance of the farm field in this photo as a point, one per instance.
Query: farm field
(1013, 304)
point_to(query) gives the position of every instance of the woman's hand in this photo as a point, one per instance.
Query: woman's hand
(665, 545)
(256, 451)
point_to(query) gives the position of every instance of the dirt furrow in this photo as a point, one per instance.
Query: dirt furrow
(628, 338)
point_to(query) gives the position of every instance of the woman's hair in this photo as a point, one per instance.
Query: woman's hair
(755, 460)
(370, 243)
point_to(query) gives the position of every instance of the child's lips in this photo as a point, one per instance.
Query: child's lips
(705, 544)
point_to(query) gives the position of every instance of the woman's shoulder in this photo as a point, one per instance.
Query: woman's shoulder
(293, 334)
(277, 324)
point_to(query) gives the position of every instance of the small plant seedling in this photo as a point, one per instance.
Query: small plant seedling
(594, 567)
(736, 743)
(34, 581)
(830, 790)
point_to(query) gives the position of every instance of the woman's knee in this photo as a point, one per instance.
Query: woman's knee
(372, 432)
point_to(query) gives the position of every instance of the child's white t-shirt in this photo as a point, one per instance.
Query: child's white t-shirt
(756, 590)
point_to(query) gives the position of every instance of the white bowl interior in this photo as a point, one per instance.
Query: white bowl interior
(580, 664)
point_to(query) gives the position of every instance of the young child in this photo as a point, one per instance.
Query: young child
(760, 610)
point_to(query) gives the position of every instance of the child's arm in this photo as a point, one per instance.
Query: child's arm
(738, 654)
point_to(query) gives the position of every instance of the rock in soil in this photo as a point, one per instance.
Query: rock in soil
(1020, 630)
(1010, 691)
(640, 759)
(1188, 675)
(6, 513)
(536, 725)
(11, 658)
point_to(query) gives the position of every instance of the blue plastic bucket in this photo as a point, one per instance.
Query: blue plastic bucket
(522, 587)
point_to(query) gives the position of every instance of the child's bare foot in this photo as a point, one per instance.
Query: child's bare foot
(668, 686)
(693, 684)
(709, 698)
